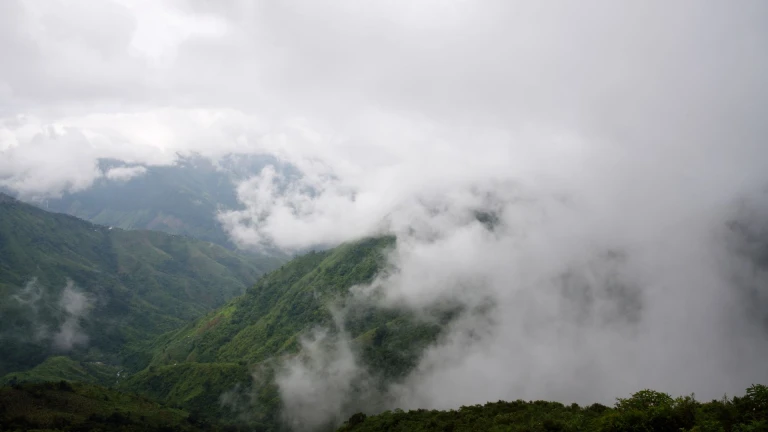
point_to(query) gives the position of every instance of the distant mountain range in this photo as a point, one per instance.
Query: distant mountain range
(182, 198)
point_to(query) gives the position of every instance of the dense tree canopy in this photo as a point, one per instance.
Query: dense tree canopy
(644, 411)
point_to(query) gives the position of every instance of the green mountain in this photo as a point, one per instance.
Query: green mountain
(193, 366)
(99, 294)
(645, 410)
(182, 198)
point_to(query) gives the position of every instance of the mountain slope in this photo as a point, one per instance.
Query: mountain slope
(230, 362)
(267, 319)
(98, 293)
(265, 326)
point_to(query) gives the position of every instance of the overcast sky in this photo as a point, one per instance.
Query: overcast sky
(376, 90)
(588, 126)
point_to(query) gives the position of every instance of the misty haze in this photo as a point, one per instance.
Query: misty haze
(350, 215)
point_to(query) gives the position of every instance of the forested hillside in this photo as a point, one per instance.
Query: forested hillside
(99, 294)
(194, 366)
(646, 410)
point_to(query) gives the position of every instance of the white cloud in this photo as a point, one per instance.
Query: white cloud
(316, 385)
(45, 164)
(76, 306)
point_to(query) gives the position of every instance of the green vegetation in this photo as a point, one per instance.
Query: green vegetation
(267, 320)
(197, 387)
(65, 406)
(267, 323)
(57, 368)
(646, 410)
(132, 286)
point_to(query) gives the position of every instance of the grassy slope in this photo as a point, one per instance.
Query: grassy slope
(267, 323)
(140, 283)
(81, 407)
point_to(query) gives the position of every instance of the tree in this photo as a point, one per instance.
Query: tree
(643, 400)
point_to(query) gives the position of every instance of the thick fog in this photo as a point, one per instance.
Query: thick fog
(618, 150)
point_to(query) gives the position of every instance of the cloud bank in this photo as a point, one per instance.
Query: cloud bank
(614, 145)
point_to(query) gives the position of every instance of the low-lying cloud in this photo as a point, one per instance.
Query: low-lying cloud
(50, 317)
(125, 173)
(317, 387)
(561, 307)
(75, 305)
(40, 158)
